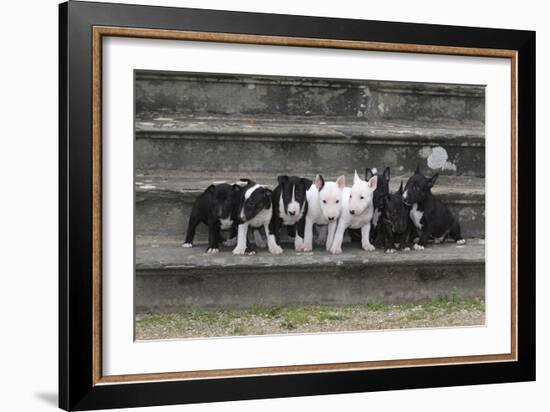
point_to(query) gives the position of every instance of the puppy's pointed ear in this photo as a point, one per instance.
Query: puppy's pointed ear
(432, 180)
(373, 182)
(356, 177)
(417, 170)
(267, 198)
(341, 182)
(319, 182)
(282, 179)
(386, 174)
(368, 174)
(400, 190)
(307, 183)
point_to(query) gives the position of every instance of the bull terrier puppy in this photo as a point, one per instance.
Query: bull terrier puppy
(255, 211)
(290, 207)
(431, 217)
(357, 210)
(324, 206)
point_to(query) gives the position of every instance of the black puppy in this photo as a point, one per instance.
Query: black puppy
(217, 207)
(290, 208)
(430, 216)
(380, 193)
(255, 211)
(395, 222)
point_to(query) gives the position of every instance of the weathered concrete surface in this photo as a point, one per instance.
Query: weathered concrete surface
(163, 203)
(219, 94)
(199, 145)
(169, 276)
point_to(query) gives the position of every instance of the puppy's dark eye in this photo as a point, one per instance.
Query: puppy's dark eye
(324, 201)
(337, 201)
(362, 197)
(350, 196)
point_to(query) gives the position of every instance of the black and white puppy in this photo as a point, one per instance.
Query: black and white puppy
(290, 208)
(395, 222)
(255, 211)
(217, 207)
(430, 216)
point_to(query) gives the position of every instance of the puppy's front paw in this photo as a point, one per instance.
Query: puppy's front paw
(212, 250)
(307, 247)
(416, 246)
(335, 249)
(461, 242)
(407, 249)
(298, 244)
(230, 242)
(390, 251)
(275, 249)
(239, 250)
(186, 245)
(368, 247)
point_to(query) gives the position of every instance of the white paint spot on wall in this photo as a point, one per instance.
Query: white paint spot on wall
(437, 158)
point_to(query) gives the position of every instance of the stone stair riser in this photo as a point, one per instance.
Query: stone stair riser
(450, 157)
(259, 95)
(349, 284)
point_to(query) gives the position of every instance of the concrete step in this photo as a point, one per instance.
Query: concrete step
(164, 201)
(169, 277)
(252, 95)
(182, 144)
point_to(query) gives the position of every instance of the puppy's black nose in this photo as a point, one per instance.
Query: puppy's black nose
(352, 212)
(331, 219)
(291, 213)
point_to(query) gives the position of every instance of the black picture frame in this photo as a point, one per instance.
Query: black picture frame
(77, 390)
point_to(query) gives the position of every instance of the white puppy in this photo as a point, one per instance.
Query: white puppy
(324, 205)
(357, 211)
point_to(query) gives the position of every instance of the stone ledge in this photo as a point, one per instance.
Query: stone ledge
(381, 85)
(167, 254)
(346, 131)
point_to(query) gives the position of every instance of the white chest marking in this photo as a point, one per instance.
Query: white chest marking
(261, 218)
(416, 216)
(226, 223)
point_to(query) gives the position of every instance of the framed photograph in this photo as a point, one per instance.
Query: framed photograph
(257, 206)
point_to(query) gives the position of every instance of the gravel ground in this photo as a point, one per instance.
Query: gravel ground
(271, 321)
